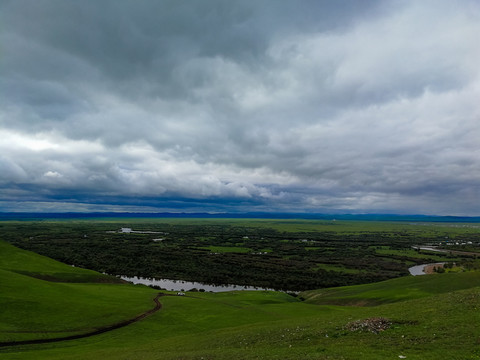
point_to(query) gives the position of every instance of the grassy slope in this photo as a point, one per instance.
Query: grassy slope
(31, 264)
(268, 326)
(31, 308)
(393, 290)
(430, 322)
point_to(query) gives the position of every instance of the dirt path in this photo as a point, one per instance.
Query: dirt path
(102, 330)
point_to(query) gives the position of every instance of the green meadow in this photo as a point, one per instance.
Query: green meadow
(430, 317)
(227, 249)
(75, 302)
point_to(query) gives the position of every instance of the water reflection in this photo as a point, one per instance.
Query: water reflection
(180, 285)
(420, 269)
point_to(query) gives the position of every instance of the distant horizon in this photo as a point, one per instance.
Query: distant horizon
(248, 215)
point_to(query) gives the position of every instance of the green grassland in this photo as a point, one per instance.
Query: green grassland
(226, 249)
(340, 226)
(432, 317)
(72, 301)
(425, 229)
(394, 290)
(31, 264)
(334, 268)
(411, 253)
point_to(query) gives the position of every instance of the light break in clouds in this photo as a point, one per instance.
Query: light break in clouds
(212, 105)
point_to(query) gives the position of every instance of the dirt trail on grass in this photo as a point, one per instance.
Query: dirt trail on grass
(102, 330)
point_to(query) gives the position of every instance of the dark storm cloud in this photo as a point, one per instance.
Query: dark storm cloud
(312, 105)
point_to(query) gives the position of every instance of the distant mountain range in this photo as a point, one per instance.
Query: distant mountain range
(248, 215)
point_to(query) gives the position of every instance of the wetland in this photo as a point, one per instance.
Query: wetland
(289, 255)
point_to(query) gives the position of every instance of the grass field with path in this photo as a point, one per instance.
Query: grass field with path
(430, 317)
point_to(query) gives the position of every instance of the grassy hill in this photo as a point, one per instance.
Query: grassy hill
(429, 317)
(42, 298)
(394, 290)
(41, 267)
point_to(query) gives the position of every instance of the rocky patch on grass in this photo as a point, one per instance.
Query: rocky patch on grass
(373, 325)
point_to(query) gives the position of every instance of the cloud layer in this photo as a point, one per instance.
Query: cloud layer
(318, 106)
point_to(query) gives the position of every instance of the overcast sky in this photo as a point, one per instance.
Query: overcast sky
(213, 105)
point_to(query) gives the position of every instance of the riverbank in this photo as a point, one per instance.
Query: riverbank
(425, 269)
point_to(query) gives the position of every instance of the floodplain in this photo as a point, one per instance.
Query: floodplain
(289, 255)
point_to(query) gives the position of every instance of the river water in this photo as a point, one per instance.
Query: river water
(419, 269)
(180, 285)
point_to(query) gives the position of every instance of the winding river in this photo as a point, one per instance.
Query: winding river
(180, 285)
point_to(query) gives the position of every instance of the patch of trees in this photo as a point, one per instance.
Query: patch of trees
(281, 260)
